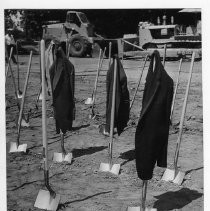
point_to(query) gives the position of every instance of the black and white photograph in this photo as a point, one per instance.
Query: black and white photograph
(103, 109)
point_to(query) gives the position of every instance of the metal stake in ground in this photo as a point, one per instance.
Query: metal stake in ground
(18, 78)
(89, 101)
(175, 175)
(138, 82)
(47, 200)
(92, 115)
(15, 146)
(177, 83)
(113, 168)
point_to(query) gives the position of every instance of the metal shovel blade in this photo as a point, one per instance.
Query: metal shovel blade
(46, 202)
(104, 167)
(24, 123)
(60, 157)
(19, 94)
(15, 148)
(92, 116)
(168, 175)
(139, 209)
(89, 101)
(179, 178)
(40, 96)
(115, 169)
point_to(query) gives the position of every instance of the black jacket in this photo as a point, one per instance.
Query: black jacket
(122, 97)
(62, 78)
(151, 138)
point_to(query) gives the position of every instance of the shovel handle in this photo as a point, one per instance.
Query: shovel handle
(113, 111)
(97, 73)
(177, 83)
(97, 76)
(23, 98)
(110, 51)
(17, 66)
(164, 56)
(138, 82)
(44, 122)
(122, 52)
(183, 113)
(13, 80)
(9, 59)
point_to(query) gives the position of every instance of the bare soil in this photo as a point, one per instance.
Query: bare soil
(81, 186)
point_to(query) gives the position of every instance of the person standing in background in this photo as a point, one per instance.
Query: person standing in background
(10, 42)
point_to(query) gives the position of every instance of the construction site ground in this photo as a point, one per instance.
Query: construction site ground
(81, 185)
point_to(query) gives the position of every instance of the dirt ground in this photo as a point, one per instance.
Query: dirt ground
(81, 186)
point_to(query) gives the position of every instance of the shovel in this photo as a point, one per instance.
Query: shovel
(63, 156)
(144, 193)
(177, 83)
(92, 115)
(138, 82)
(15, 146)
(110, 51)
(89, 101)
(9, 59)
(110, 167)
(175, 175)
(19, 92)
(23, 121)
(164, 56)
(46, 200)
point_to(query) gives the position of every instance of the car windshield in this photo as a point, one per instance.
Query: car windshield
(83, 18)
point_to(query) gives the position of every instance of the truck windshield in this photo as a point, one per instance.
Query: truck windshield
(83, 18)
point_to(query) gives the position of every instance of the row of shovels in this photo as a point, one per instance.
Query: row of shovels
(173, 175)
(21, 120)
(49, 200)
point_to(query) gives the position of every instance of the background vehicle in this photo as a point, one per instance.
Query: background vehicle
(77, 31)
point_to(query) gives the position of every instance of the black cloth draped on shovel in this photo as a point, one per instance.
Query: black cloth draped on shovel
(151, 138)
(122, 97)
(62, 77)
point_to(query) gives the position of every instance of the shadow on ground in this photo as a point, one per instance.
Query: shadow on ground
(176, 200)
(80, 152)
(127, 156)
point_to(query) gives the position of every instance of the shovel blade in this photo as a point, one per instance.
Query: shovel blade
(115, 169)
(19, 96)
(24, 123)
(179, 178)
(91, 116)
(40, 97)
(104, 167)
(46, 202)
(89, 101)
(168, 175)
(15, 148)
(139, 209)
(59, 157)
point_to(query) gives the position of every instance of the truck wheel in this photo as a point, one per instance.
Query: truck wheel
(78, 46)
